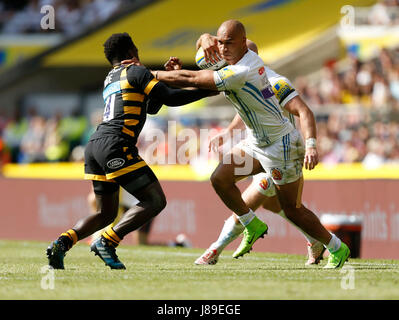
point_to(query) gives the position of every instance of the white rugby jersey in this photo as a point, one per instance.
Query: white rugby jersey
(283, 90)
(246, 85)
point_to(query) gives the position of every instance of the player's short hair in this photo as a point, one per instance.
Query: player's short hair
(118, 46)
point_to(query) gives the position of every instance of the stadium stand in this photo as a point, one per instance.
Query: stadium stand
(73, 16)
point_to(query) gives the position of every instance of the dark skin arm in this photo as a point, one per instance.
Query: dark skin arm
(176, 97)
(202, 79)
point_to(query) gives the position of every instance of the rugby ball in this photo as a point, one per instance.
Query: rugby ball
(202, 64)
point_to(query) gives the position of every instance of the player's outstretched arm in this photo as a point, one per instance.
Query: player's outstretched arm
(177, 97)
(202, 79)
(299, 108)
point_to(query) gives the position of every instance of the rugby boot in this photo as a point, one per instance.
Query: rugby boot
(107, 253)
(253, 231)
(315, 253)
(337, 258)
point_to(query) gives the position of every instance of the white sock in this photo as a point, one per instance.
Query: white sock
(231, 230)
(245, 219)
(308, 237)
(334, 244)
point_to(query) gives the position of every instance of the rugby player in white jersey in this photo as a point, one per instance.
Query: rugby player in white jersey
(272, 143)
(261, 192)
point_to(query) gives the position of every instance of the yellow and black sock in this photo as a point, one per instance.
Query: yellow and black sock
(69, 238)
(111, 236)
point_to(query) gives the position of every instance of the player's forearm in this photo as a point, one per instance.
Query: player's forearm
(179, 78)
(202, 79)
(177, 97)
(181, 97)
(299, 108)
(308, 124)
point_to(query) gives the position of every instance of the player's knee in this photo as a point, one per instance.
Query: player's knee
(162, 204)
(273, 207)
(218, 181)
(108, 218)
(158, 204)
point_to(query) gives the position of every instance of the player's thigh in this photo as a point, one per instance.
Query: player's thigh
(290, 194)
(107, 198)
(143, 185)
(236, 165)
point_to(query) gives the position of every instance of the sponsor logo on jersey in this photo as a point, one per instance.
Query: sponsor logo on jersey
(115, 163)
(225, 73)
(282, 89)
(261, 71)
(267, 92)
(277, 174)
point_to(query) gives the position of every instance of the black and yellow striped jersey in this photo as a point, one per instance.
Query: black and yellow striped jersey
(126, 90)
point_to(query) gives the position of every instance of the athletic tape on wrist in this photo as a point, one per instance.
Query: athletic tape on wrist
(311, 143)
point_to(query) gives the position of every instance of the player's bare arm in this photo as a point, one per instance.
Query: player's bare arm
(202, 79)
(298, 107)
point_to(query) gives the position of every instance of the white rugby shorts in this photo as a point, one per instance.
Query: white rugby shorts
(282, 160)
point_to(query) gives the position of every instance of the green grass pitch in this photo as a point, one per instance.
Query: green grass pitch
(165, 273)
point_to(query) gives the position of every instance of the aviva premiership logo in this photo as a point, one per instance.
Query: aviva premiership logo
(115, 163)
(225, 73)
(282, 89)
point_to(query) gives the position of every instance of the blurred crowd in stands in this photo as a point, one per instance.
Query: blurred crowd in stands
(345, 135)
(33, 138)
(373, 84)
(71, 16)
(384, 12)
(368, 130)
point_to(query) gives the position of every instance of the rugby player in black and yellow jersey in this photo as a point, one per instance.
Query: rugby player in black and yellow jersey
(111, 155)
